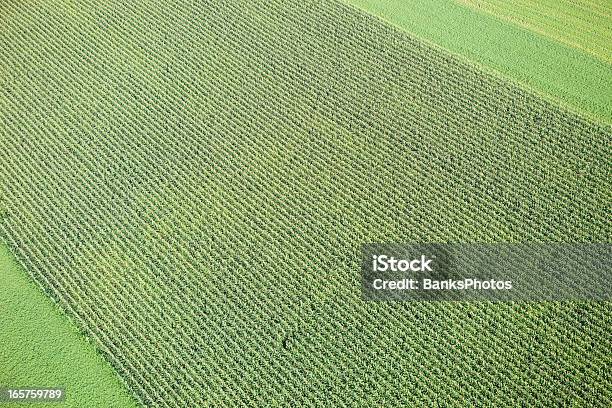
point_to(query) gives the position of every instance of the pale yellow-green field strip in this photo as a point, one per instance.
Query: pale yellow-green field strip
(585, 25)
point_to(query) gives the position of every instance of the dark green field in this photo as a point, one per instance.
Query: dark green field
(192, 183)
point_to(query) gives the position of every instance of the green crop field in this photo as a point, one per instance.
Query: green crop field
(39, 347)
(191, 182)
(583, 24)
(568, 75)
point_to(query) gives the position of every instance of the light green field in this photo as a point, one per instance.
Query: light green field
(569, 75)
(39, 347)
(586, 25)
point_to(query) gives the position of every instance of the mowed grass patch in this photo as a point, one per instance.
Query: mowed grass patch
(586, 25)
(567, 74)
(40, 347)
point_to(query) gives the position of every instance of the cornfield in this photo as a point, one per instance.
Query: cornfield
(193, 181)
